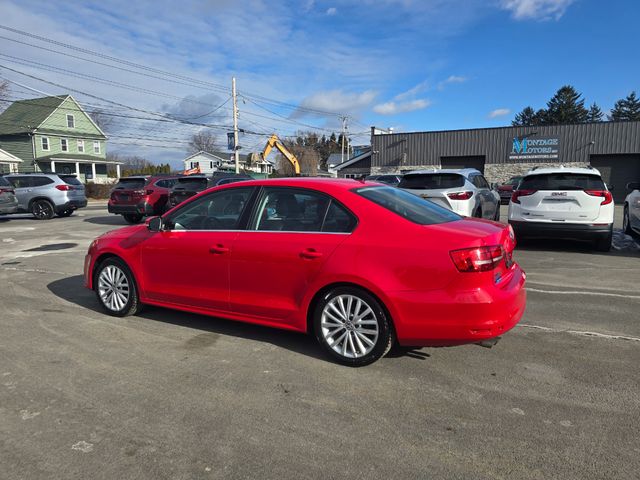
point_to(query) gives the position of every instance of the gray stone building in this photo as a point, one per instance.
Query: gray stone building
(611, 147)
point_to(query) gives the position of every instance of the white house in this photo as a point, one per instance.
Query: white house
(208, 162)
(8, 163)
(213, 162)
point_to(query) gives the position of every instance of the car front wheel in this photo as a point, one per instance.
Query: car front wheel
(352, 327)
(116, 288)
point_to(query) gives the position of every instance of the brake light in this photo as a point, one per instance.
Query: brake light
(460, 195)
(521, 193)
(7, 190)
(605, 194)
(479, 259)
(64, 188)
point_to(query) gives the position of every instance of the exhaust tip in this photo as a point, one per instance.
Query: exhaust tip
(490, 342)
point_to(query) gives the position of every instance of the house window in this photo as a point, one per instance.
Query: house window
(81, 146)
(96, 146)
(64, 145)
(45, 144)
(211, 165)
(71, 121)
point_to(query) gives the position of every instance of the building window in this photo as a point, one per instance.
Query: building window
(64, 145)
(211, 165)
(71, 121)
(96, 146)
(81, 146)
(45, 144)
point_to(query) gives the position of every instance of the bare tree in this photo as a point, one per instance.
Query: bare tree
(203, 141)
(4, 95)
(99, 118)
(308, 157)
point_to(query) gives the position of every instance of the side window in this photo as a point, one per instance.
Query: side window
(338, 220)
(162, 183)
(20, 182)
(216, 211)
(291, 210)
(40, 181)
(483, 182)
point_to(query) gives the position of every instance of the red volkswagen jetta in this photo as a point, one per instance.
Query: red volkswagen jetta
(358, 264)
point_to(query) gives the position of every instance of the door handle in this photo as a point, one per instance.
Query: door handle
(218, 249)
(310, 254)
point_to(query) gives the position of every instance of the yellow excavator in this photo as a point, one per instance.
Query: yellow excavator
(274, 142)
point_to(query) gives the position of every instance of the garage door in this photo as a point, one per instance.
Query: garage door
(476, 162)
(617, 171)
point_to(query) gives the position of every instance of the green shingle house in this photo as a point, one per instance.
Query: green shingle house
(54, 134)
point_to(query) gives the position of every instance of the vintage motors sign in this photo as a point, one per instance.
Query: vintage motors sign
(534, 148)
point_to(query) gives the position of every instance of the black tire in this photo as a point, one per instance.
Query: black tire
(132, 218)
(66, 213)
(120, 308)
(626, 224)
(42, 209)
(478, 213)
(357, 338)
(603, 244)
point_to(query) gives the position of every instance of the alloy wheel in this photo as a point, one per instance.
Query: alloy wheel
(349, 326)
(113, 288)
(42, 210)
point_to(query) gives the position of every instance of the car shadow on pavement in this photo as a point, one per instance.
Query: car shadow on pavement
(116, 220)
(72, 290)
(623, 246)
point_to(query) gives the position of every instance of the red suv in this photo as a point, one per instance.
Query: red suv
(139, 196)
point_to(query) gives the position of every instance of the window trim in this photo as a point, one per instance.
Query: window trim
(73, 120)
(80, 145)
(96, 143)
(42, 142)
(64, 145)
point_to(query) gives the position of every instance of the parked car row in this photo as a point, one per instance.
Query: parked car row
(140, 196)
(42, 194)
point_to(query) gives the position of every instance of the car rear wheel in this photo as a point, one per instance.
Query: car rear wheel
(132, 218)
(42, 209)
(116, 289)
(66, 213)
(603, 244)
(352, 327)
(626, 224)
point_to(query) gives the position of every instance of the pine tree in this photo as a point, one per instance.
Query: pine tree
(626, 109)
(525, 118)
(566, 106)
(595, 114)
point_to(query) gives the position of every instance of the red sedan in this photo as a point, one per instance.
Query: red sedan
(358, 264)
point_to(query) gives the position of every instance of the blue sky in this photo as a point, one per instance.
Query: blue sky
(408, 64)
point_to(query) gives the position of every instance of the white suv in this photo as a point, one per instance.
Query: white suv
(464, 191)
(571, 203)
(631, 215)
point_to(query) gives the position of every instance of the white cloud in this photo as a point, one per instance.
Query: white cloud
(336, 101)
(393, 108)
(499, 112)
(536, 9)
(413, 91)
(332, 11)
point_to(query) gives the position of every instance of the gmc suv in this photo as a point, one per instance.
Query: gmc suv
(47, 194)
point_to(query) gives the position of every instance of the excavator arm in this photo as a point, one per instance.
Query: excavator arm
(274, 142)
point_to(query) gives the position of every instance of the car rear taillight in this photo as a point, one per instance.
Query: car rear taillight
(460, 195)
(521, 193)
(479, 259)
(605, 194)
(64, 188)
(7, 190)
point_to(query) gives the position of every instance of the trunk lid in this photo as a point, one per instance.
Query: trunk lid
(129, 190)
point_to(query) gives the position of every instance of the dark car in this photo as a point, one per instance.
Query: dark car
(506, 189)
(187, 187)
(139, 196)
(392, 180)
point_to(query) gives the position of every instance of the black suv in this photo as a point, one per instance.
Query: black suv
(187, 187)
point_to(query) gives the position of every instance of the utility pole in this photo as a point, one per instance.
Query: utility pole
(236, 153)
(344, 130)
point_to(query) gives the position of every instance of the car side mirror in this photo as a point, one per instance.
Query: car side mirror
(155, 224)
(633, 186)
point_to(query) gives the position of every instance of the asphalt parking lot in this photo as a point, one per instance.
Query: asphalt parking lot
(169, 395)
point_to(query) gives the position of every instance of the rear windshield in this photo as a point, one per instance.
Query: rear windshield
(514, 181)
(4, 182)
(193, 182)
(70, 180)
(562, 181)
(131, 183)
(407, 205)
(429, 181)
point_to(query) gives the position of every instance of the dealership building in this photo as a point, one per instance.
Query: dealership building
(500, 153)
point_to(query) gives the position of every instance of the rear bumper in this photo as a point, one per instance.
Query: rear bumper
(71, 205)
(457, 317)
(142, 208)
(6, 208)
(571, 231)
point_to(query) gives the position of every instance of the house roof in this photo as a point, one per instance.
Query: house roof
(6, 157)
(24, 116)
(206, 154)
(61, 157)
(356, 159)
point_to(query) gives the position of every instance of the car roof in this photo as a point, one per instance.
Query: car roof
(318, 183)
(561, 169)
(460, 171)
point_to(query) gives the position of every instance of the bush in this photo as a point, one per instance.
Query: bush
(97, 190)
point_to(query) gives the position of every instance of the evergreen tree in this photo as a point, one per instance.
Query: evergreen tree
(595, 114)
(626, 109)
(525, 118)
(566, 106)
